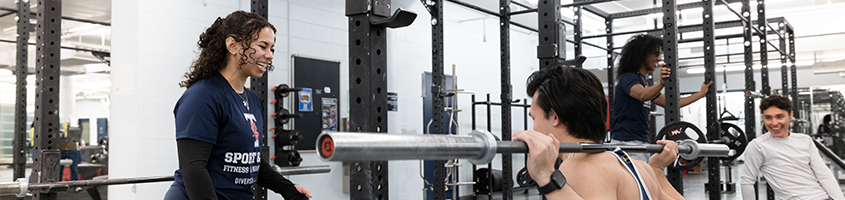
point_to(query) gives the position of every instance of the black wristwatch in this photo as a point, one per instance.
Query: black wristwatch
(557, 180)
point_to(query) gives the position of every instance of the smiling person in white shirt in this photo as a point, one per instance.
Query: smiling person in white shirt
(790, 162)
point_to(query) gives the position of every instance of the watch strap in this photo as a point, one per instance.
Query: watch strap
(554, 183)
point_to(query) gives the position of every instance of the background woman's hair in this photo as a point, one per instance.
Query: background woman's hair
(241, 26)
(635, 52)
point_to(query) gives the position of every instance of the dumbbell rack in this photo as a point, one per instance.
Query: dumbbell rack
(285, 139)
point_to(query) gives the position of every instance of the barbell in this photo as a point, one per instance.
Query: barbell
(729, 134)
(20, 187)
(479, 147)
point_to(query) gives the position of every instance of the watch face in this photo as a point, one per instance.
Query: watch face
(558, 179)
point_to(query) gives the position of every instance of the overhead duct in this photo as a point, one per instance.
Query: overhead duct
(830, 67)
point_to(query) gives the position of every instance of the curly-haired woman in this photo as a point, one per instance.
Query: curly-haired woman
(634, 93)
(217, 119)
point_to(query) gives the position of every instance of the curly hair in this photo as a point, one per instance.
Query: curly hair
(635, 52)
(241, 26)
(777, 101)
(576, 95)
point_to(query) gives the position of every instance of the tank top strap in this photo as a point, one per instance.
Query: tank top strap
(629, 165)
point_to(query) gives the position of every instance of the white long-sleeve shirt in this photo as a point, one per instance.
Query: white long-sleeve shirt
(791, 165)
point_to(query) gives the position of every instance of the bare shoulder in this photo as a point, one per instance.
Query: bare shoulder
(594, 176)
(644, 169)
(649, 176)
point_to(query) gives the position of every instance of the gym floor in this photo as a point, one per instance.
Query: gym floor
(693, 188)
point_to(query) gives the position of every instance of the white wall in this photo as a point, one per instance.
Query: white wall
(153, 45)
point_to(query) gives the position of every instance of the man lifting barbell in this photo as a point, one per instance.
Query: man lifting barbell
(568, 105)
(592, 174)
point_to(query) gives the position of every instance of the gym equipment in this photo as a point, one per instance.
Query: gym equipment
(286, 137)
(481, 179)
(282, 116)
(731, 135)
(283, 90)
(478, 147)
(21, 186)
(735, 138)
(99, 153)
(678, 131)
(524, 179)
(288, 158)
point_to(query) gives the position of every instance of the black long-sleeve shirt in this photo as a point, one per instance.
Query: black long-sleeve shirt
(193, 158)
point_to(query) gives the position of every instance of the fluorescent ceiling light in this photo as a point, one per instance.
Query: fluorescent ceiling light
(827, 56)
(99, 67)
(695, 70)
(729, 68)
(832, 60)
(805, 63)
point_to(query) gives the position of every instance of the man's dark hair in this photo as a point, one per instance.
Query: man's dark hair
(778, 101)
(826, 119)
(576, 95)
(635, 52)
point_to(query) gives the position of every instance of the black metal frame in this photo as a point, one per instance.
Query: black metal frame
(764, 54)
(784, 71)
(552, 33)
(577, 32)
(21, 71)
(259, 87)
(506, 97)
(438, 81)
(368, 89)
(45, 167)
(489, 104)
(611, 79)
(713, 124)
(670, 58)
(795, 103)
(32, 14)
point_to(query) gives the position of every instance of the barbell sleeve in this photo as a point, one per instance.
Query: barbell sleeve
(338, 146)
(478, 147)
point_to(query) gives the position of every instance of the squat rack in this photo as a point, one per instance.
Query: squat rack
(551, 50)
(45, 167)
(671, 57)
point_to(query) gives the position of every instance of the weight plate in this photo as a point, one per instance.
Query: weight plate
(282, 116)
(682, 130)
(281, 91)
(524, 179)
(735, 138)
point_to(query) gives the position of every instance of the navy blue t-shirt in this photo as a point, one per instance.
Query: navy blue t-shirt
(211, 111)
(630, 115)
